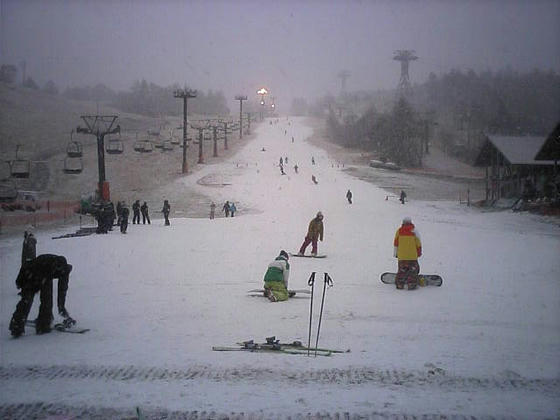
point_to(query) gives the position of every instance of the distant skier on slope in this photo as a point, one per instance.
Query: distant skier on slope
(37, 276)
(276, 278)
(314, 232)
(349, 196)
(166, 210)
(407, 248)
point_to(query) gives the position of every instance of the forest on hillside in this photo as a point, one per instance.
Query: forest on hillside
(456, 110)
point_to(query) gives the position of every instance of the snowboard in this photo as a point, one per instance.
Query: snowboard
(429, 279)
(61, 327)
(308, 256)
(291, 293)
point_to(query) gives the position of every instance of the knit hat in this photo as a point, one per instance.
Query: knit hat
(407, 221)
(284, 254)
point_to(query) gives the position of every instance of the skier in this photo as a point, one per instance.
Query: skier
(136, 212)
(296, 168)
(124, 218)
(314, 232)
(276, 278)
(29, 248)
(314, 179)
(145, 214)
(407, 248)
(212, 210)
(312, 160)
(349, 196)
(166, 210)
(225, 208)
(37, 276)
(402, 197)
(232, 209)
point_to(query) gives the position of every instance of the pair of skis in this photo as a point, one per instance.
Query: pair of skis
(273, 345)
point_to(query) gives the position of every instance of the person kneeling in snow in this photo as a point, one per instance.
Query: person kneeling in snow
(37, 276)
(276, 278)
(408, 248)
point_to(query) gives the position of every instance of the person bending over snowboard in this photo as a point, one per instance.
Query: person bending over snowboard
(407, 248)
(276, 278)
(37, 276)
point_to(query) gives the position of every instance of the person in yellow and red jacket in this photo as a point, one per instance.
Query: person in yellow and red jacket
(408, 248)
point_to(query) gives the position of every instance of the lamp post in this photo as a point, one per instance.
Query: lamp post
(262, 92)
(185, 94)
(241, 98)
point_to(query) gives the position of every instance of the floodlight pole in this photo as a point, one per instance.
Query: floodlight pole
(185, 94)
(91, 122)
(225, 135)
(241, 98)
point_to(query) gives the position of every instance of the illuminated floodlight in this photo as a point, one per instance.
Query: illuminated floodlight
(262, 91)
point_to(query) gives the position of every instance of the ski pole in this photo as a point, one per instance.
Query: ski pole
(310, 282)
(328, 282)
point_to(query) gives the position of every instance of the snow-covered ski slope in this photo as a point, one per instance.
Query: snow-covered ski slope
(485, 344)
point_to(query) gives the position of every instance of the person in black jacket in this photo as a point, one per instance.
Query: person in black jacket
(37, 276)
(29, 248)
(145, 214)
(166, 210)
(136, 211)
(124, 218)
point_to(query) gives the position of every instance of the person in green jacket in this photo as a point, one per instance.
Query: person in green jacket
(276, 278)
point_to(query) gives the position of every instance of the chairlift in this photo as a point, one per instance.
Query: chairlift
(158, 144)
(8, 190)
(143, 146)
(73, 165)
(175, 140)
(189, 139)
(20, 168)
(74, 148)
(114, 146)
(167, 146)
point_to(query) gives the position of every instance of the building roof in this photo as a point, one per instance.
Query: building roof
(550, 150)
(514, 150)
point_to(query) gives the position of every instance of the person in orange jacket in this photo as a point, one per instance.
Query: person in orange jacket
(408, 248)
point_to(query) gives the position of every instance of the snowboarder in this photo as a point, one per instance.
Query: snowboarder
(276, 278)
(312, 160)
(402, 197)
(281, 161)
(29, 248)
(136, 212)
(314, 232)
(296, 168)
(282, 169)
(407, 248)
(225, 208)
(349, 196)
(314, 179)
(232, 209)
(166, 210)
(124, 218)
(37, 276)
(145, 214)
(212, 210)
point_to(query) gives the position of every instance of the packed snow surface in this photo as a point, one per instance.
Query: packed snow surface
(486, 343)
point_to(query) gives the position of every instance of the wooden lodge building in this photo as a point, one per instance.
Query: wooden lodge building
(512, 170)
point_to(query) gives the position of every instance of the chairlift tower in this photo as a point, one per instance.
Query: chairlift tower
(405, 57)
(241, 98)
(100, 126)
(343, 76)
(185, 94)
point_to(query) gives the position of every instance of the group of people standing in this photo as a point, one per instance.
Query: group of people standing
(123, 214)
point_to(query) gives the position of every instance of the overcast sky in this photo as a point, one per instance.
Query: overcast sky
(294, 48)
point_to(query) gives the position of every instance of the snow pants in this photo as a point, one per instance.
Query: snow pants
(306, 243)
(43, 322)
(407, 273)
(277, 291)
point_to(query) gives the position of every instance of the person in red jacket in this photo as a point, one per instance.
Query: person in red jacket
(408, 248)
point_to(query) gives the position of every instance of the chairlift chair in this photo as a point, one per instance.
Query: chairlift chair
(143, 146)
(73, 165)
(74, 148)
(20, 168)
(167, 146)
(114, 146)
(8, 190)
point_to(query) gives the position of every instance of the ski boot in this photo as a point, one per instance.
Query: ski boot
(17, 327)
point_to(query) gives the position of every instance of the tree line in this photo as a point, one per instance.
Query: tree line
(460, 107)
